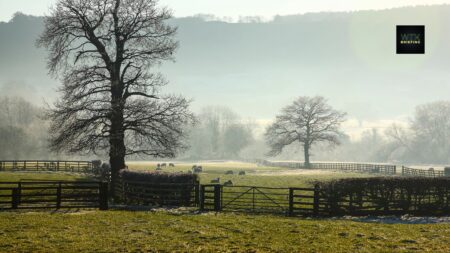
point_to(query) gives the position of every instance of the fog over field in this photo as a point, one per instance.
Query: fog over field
(255, 68)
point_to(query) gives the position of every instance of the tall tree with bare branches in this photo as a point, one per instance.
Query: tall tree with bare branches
(105, 52)
(307, 121)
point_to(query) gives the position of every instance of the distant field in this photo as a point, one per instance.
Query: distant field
(255, 175)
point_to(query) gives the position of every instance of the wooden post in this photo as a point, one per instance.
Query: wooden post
(217, 198)
(316, 200)
(197, 194)
(253, 199)
(291, 202)
(350, 204)
(58, 196)
(15, 198)
(202, 198)
(19, 196)
(103, 195)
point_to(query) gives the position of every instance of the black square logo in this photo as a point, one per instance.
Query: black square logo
(410, 39)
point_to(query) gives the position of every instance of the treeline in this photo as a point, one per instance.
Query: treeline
(23, 132)
(424, 139)
(220, 133)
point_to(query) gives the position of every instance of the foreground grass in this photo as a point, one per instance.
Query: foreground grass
(126, 231)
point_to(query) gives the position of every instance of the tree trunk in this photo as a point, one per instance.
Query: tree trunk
(306, 149)
(116, 139)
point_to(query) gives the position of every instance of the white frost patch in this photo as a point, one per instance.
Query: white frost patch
(405, 219)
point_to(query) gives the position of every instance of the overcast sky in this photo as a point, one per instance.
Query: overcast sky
(231, 8)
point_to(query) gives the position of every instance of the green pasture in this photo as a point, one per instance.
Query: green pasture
(163, 231)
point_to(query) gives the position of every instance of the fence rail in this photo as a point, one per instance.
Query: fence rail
(48, 165)
(53, 195)
(406, 171)
(318, 202)
(348, 167)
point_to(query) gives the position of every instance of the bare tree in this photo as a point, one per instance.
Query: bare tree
(427, 138)
(308, 120)
(105, 52)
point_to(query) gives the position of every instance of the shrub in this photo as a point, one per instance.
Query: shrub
(158, 188)
(387, 195)
(158, 177)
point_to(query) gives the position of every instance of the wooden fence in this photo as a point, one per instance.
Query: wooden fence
(162, 194)
(319, 203)
(252, 199)
(347, 167)
(53, 195)
(48, 165)
(422, 173)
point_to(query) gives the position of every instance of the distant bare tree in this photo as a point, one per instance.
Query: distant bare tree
(427, 138)
(308, 120)
(105, 51)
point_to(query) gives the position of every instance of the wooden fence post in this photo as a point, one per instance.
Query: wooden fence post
(217, 198)
(316, 200)
(58, 196)
(291, 202)
(15, 198)
(202, 198)
(103, 195)
(19, 196)
(197, 194)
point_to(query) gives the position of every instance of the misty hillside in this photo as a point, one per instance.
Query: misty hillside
(256, 68)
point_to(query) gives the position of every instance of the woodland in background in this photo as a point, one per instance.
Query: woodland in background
(221, 133)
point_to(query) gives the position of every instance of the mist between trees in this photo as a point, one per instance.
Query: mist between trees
(220, 133)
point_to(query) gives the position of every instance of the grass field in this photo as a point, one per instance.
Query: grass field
(187, 231)
(126, 231)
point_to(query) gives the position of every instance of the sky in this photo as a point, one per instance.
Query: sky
(231, 8)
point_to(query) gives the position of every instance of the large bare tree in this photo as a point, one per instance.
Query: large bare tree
(106, 53)
(308, 120)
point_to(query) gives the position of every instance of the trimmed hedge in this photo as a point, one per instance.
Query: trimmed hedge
(386, 195)
(157, 177)
(158, 188)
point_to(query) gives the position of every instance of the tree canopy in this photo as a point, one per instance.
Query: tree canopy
(308, 120)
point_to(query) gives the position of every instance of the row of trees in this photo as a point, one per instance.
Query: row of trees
(424, 139)
(23, 133)
(219, 134)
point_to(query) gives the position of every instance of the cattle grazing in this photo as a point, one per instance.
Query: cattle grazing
(215, 181)
(171, 165)
(163, 164)
(241, 173)
(197, 169)
(229, 172)
(228, 183)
